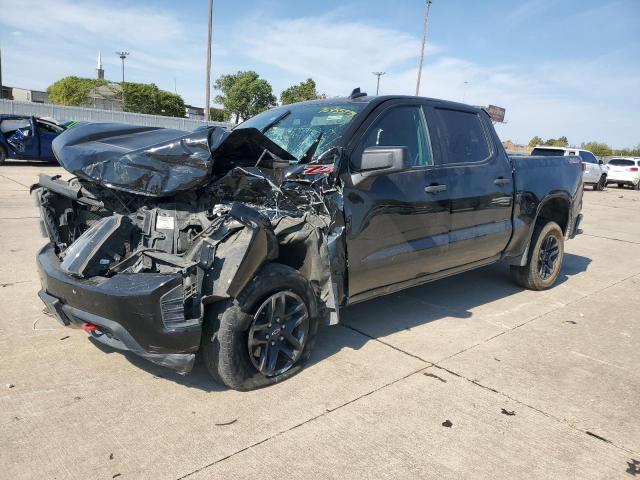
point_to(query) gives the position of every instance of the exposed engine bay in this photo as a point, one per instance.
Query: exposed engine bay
(211, 206)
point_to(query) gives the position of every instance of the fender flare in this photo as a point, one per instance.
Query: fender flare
(521, 260)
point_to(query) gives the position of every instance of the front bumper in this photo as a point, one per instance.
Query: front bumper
(126, 308)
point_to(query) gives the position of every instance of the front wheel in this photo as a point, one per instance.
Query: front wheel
(546, 253)
(602, 182)
(266, 334)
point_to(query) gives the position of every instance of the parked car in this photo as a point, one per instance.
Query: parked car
(27, 137)
(624, 171)
(594, 171)
(239, 243)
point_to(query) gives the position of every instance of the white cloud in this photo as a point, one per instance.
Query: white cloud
(339, 54)
(595, 100)
(582, 100)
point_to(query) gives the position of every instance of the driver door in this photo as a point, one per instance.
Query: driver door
(22, 137)
(398, 222)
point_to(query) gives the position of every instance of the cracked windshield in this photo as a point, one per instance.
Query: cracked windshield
(306, 131)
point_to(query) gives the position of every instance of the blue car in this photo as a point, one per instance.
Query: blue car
(27, 137)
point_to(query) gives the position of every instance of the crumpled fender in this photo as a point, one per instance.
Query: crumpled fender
(239, 257)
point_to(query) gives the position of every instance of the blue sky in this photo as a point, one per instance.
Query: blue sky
(564, 67)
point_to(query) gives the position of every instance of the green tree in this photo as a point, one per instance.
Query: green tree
(557, 142)
(244, 94)
(148, 98)
(597, 148)
(219, 115)
(299, 93)
(73, 90)
(535, 141)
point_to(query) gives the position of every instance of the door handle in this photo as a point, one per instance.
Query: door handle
(435, 188)
(502, 181)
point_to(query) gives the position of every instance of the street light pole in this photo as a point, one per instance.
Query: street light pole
(424, 41)
(378, 74)
(207, 98)
(464, 91)
(123, 55)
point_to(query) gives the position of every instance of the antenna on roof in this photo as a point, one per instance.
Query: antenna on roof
(356, 93)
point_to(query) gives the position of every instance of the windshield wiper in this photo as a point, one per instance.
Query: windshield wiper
(275, 121)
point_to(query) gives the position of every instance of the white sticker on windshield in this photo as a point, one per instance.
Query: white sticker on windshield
(164, 223)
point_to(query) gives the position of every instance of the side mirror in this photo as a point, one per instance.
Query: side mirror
(382, 160)
(600, 162)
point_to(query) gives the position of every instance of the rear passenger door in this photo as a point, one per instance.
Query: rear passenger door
(480, 183)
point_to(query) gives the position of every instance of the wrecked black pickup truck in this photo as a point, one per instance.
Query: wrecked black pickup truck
(240, 243)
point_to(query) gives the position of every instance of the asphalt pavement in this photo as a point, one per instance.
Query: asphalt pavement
(467, 377)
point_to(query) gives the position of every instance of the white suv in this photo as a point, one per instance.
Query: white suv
(624, 171)
(594, 171)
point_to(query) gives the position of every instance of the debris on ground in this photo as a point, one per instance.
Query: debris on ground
(447, 423)
(224, 424)
(510, 413)
(435, 376)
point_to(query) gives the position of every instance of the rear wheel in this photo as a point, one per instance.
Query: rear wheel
(3, 155)
(636, 186)
(546, 253)
(601, 183)
(266, 334)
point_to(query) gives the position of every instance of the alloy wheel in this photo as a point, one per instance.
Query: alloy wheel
(548, 258)
(278, 333)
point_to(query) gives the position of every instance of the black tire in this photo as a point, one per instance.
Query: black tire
(621, 185)
(636, 186)
(225, 341)
(3, 155)
(601, 183)
(530, 276)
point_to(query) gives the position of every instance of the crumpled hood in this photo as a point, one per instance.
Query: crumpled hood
(158, 161)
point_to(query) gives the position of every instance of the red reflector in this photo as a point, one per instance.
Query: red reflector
(633, 169)
(90, 327)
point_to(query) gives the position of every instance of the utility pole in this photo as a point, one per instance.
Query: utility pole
(207, 96)
(378, 74)
(1, 91)
(424, 41)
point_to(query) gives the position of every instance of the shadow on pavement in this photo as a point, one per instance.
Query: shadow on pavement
(450, 297)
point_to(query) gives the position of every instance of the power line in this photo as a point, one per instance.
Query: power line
(424, 41)
(378, 74)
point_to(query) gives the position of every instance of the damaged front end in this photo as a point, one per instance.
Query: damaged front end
(157, 224)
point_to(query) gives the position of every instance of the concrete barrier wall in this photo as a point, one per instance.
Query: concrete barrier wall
(63, 113)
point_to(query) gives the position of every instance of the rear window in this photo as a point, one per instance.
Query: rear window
(623, 162)
(548, 152)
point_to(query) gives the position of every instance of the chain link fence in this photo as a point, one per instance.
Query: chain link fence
(63, 113)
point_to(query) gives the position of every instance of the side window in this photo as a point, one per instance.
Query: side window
(49, 127)
(588, 157)
(401, 127)
(13, 124)
(464, 137)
